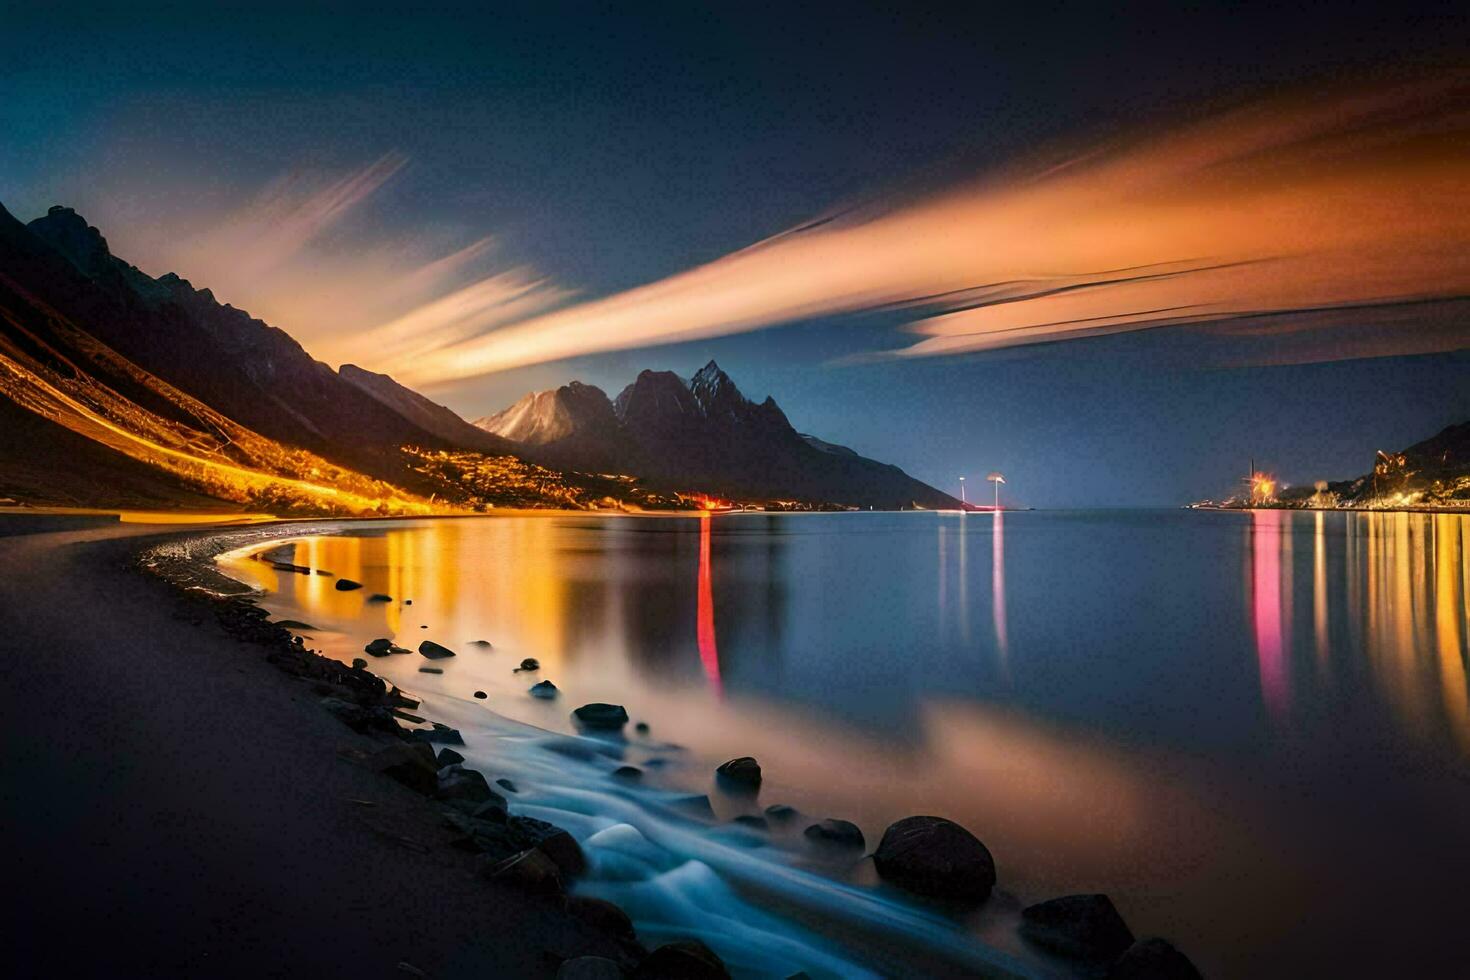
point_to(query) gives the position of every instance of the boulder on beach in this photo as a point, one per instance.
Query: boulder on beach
(545, 690)
(688, 960)
(836, 833)
(347, 585)
(602, 915)
(528, 871)
(530, 663)
(935, 857)
(442, 734)
(743, 772)
(379, 597)
(411, 763)
(589, 968)
(1083, 926)
(361, 718)
(604, 717)
(1153, 959)
(552, 841)
(434, 651)
(455, 782)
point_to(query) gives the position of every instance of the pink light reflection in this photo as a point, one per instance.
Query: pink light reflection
(1266, 532)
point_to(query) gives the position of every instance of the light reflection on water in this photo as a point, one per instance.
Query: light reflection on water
(1190, 711)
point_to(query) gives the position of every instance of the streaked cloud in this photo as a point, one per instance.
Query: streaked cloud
(1332, 200)
(292, 211)
(292, 254)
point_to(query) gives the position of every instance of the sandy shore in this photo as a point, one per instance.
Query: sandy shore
(176, 806)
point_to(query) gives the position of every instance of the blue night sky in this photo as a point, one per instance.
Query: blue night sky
(605, 150)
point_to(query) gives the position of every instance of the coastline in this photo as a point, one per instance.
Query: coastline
(201, 812)
(416, 829)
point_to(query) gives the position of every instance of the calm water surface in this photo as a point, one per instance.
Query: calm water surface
(1250, 729)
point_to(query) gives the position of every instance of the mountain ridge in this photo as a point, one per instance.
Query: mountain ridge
(704, 433)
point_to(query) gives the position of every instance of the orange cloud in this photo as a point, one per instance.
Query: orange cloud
(1336, 200)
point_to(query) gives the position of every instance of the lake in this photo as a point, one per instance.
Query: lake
(1250, 729)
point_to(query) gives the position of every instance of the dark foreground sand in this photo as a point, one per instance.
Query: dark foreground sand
(175, 806)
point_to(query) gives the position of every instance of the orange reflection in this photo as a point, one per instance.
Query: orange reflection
(1447, 547)
(1266, 530)
(709, 655)
(1319, 591)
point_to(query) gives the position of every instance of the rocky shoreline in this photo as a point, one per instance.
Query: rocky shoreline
(532, 856)
(931, 858)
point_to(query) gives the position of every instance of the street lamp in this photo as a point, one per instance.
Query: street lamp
(997, 479)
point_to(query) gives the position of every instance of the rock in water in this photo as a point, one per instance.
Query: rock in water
(530, 663)
(781, 813)
(358, 663)
(379, 597)
(347, 585)
(447, 757)
(605, 717)
(380, 647)
(935, 857)
(589, 968)
(690, 960)
(1153, 959)
(837, 833)
(434, 651)
(480, 643)
(628, 772)
(744, 772)
(1084, 926)
(480, 695)
(545, 689)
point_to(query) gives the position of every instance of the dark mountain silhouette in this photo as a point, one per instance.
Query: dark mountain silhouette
(427, 415)
(82, 425)
(702, 435)
(241, 366)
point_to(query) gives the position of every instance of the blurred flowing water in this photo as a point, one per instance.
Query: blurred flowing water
(1250, 729)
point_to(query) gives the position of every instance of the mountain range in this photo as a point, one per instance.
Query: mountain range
(701, 432)
(120, 389)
